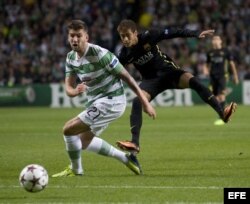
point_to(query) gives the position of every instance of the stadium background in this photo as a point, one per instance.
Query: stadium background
(33, 39)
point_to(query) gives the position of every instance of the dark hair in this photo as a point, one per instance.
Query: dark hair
(77, 25)
(127, 24)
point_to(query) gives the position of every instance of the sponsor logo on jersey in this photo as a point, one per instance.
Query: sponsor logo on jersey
(145, 58)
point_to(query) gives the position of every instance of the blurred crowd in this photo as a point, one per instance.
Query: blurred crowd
(33, 37)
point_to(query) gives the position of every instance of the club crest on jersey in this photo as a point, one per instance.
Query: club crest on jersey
(147, 47)
(113, 63)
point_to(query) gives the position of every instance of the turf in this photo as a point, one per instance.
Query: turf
(185, 158)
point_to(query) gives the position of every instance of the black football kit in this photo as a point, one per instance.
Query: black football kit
(157, 69)
(218, 59)
(159, 72)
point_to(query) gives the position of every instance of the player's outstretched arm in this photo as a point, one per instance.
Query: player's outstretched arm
(147, 107)
(206, 33)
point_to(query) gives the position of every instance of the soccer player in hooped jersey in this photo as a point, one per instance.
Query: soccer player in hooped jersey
(219, 60)
(159, 72)
(101, 73)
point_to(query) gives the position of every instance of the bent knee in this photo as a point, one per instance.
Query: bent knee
(74, 127)
(68, 128)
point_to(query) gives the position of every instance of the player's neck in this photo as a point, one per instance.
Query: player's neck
(82, 52)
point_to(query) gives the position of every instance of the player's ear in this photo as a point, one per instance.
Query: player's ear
(87, 37)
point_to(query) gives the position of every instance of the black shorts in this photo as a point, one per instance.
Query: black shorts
(166, 80)
(218, 84)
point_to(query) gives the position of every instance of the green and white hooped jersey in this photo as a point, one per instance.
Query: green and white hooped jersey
(98, 68)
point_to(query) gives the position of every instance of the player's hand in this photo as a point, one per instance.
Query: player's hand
(206, 33)
(149, 109)
(80, 88)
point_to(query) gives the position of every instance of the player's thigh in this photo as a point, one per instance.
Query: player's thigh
(175, 79)
(74, 127)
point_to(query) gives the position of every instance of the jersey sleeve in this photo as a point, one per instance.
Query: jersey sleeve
(168, 33)
(112, 63)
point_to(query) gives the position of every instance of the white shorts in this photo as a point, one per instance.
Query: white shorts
(102, 112)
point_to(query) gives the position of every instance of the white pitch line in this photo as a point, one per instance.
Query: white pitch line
(126, 187)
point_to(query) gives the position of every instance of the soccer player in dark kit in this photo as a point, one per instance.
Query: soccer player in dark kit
(159, 72)
(220, 63)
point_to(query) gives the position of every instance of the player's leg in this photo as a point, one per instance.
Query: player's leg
(106, 112)
(150, 88)
(187, 80)
(219, 90)
(102, 147)
(135, 126)
(91, 123)
(222, 99)
(71, 131)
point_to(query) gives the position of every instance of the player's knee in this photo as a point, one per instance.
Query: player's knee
(67, 129)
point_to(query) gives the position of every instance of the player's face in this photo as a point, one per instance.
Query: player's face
(216, 42)
(78, 40)
(128, 37)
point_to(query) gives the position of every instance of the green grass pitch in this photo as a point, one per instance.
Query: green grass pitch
(185, 158)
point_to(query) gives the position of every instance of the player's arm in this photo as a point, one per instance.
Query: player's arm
(169, 33)
(234, 72)
(113, 65)
(147, 107)
(206, 33)
(73, 89)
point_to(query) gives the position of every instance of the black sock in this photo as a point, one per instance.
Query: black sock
(206, 95)
(136, 120)
(223, 104)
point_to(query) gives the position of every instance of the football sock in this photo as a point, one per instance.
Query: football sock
(223, 104)
(206, 95)
(136, 120)
(101, 147)
(74, 148)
